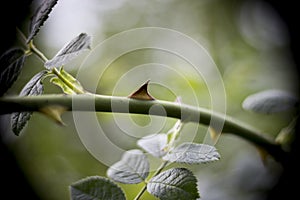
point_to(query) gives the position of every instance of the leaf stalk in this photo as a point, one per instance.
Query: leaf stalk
(158, 171)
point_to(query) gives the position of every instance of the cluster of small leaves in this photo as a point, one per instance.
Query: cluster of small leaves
(133, 168)
(12, 62)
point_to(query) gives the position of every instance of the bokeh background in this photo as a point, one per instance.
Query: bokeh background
(250, 44)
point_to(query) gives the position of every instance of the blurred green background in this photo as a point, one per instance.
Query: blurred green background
(248, 42)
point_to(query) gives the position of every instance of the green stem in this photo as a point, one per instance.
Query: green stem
(139, 195)
(142, 191)
(103, 103)
(37, 52)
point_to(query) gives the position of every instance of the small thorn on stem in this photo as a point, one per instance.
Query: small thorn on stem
(142, 93)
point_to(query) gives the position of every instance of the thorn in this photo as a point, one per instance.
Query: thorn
(214, 135)
(142, 93)
(178, 100)
(54, 112)
(263, 155)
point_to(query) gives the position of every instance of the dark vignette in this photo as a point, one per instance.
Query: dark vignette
(15, 185)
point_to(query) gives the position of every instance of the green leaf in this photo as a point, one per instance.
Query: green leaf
(96, 187)
(33, 87)
(175, 183)
(192, 153)
(39, 17)
(132, 168)
(62, 85)
(270, 101)
(67, 83)
(19, 120)
(11, 63)
(154, 144)
(70, 51)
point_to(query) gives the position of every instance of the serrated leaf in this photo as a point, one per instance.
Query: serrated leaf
(11, 63)
(39, 17)
(192, 153)
(70, 51)
(175, 183)
(19, 120)
(33, 87)
(270, 101)
(132, 168)
(142, 93)
(96, 188)
(67, 83)
(154, 144)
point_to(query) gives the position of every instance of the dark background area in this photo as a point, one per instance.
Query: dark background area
(286, 188)
(15, 185)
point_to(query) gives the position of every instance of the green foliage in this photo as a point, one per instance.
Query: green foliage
(33, 87)
(270, 101)
(70, 51)
(192, 153)
(132, 168)
(95, 187)
(67, 82)
(39, 17)
(19, 120)
(14, 59)
(175, 183)
(158, 145)
(154, 144)
(11, 63)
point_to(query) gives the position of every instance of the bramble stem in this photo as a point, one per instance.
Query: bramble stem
(114, 104)
(91, 102)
